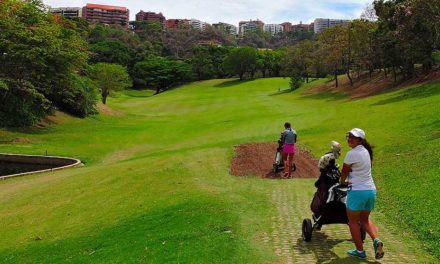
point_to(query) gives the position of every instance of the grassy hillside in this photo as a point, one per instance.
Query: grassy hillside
(156, 186)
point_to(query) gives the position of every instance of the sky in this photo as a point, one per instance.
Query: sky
(233, 11)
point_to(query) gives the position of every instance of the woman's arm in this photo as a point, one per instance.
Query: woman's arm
(344, 173)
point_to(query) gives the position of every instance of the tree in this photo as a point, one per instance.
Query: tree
(110, 77)
(111, 51)
(161, 73)
(178, 42)
(207, 61)
(332, 50)
(38, 54)
(241, 61)
(409, 31)
(298, 61)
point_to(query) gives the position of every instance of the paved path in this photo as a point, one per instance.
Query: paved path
(329, 245)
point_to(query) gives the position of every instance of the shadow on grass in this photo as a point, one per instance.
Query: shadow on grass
(193, 230)
(321, 246)
(231, 83)
(327, 96)
(282, 91)
(34, 130)
(420, 91)
(140, 95)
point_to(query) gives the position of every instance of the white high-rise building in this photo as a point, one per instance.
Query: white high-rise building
(228, 28)
(322, 24)
(67, 12)
(197, 24)
(273, 28)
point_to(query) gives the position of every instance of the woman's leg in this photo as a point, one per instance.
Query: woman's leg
(286, 164)
(290, 163)
(368, 225)
(355, 228)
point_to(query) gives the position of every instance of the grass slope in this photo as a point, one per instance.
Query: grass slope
(156, 186)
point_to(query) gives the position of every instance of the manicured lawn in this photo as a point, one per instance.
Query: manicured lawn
(156, 186)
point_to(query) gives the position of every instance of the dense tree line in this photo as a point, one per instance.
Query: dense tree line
(50, 62)
(402, 35)
(41, 60)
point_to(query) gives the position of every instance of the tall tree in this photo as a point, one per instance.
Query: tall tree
(332, 49)
(241, 61)
(38, 55)
(161, 73)
(110, 77)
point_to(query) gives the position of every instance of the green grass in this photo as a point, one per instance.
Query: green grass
(156, 186)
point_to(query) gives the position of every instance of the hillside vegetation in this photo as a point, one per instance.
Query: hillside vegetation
(156, 186)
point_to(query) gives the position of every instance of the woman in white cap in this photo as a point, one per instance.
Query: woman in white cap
(361, 195)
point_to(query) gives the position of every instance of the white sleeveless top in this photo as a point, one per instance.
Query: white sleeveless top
(360, 174)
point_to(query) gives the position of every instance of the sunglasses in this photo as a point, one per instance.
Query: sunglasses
(350, 136)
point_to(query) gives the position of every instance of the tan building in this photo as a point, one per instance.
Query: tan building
(287, 26)
(105, 14)
(322, 24)
(176, 23)
(250, 26)
(150, 17)
(303, 27)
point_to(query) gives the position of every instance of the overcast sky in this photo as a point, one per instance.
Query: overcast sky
(233, 11)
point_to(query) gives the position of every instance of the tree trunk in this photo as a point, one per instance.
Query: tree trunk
(336, 79)
(241, 76)
(157, 90)
(394, 74)
(349, 77)
(104, 94)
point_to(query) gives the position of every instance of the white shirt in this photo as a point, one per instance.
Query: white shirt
(360, 174)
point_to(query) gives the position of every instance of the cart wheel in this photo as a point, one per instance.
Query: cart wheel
(363, 234)
(307, 229)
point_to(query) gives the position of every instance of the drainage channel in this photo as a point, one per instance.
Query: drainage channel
(15, 165)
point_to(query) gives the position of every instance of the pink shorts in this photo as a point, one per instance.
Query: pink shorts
(289, 148)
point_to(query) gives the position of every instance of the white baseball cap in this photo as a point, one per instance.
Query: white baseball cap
(357, 132)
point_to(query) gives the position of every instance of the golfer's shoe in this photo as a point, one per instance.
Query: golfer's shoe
(357, 254)
(378, 248)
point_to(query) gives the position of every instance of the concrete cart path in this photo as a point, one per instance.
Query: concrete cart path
(291, 199)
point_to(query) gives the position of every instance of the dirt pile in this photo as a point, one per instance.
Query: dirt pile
(256, 159)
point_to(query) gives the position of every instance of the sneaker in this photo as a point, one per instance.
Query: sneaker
(357, 254)
(378, 248)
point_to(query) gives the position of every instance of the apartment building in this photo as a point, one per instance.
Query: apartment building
(67, 12)
(303, 27)
(322, 24)
(250, 26)
(273, 29)
(227, 28)
(150, 17)
(287, 26)
(105, 14)
(176, 23)
(197, 24)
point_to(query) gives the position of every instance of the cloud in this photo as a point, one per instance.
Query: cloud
(233, 11)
